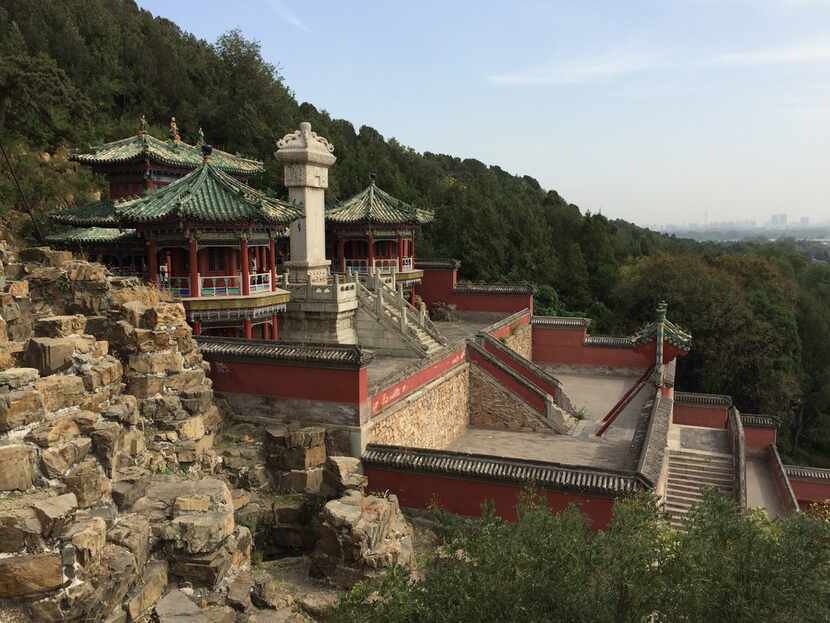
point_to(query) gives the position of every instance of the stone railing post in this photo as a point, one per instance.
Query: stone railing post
(379, 294)
(422, 316)
(402, 308)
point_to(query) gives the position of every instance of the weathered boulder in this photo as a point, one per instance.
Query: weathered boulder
(55, 513)
(20, 407)
(15, 378)
(17, 466)
(61, 391)
(200, 533)
(29, 575)
(359, 536)
(176, 607)
(88, 536)
(45, 255)
(132, 532)
(152, 585)
(56, 459)
(164, 362)
(130, 486)
(54, 431)
(86, 482)
(299, 481)
(60, 326)
(19, 528)
(117, 575)
(239, 591)
(98, 373)
(343, 473)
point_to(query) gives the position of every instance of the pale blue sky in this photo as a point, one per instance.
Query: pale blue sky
(653, 111)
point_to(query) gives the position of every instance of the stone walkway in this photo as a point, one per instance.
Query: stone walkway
(761, 491)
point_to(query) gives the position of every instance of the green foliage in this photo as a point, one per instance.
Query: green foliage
(729, 566)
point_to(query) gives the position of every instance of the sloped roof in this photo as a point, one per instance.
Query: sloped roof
(98, 214)
(172, 153)
(374, 205)
(207, 195)
(92, 235)
(672, 334)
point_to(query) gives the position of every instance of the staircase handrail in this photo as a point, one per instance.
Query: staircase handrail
(369, 299)
(415, 316)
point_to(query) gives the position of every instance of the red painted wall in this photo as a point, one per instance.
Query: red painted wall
(710, 417)
(808, 492)
(507, 329)
(291, 382)
(515, 364)
(758, 438)
(392, 394)
(437, 285)
(465, 497)
(534, 399)
(505, 303)
(567, 346)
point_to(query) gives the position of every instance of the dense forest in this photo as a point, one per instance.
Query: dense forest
(76, 72)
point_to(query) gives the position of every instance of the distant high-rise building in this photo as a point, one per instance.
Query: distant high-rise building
(778, 220)
(805, 220)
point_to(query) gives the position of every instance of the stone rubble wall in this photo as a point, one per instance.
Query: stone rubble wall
(432, 417)
(493, 406)
(521, 341)
(107, 420)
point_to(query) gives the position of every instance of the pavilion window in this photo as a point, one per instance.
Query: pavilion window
(216, 259)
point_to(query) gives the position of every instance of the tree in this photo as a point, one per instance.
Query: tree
(727, 566)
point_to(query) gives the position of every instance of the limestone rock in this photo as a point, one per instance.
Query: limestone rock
(50, 355)
(61, 391)
(60, 326)
(17, 465)
(15, 378)
(55, 513)
(130, 486)
(88, 536)
(28, 575)
(203, 532)
(343, 473)
(118, 573)
(239, 591)
(360, 535)
(54, 431)
(299, 481)
(19, 528)
(20, 407)
(132, 532)
(86, 482)
(56, 459)
(176, 607)
(153, 584)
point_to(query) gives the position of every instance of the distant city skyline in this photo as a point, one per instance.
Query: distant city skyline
(650, 111)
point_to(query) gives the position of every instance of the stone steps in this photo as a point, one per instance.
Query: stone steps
(690, 474)
(392, 312)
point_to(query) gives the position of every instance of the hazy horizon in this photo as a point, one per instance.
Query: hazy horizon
(650, 111)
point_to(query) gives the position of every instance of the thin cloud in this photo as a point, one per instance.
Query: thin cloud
(796, 54)
(287, 15)
(577, 71)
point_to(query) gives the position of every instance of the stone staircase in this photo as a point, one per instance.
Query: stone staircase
(389, 307)
(690, 474)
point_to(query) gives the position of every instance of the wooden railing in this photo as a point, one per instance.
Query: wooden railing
(177, 286)
(260, 282)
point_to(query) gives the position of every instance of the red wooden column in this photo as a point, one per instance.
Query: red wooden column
(247, 329)
(400, 253)
(152, 262)
(341, 254)
(246, 274)
(272, 263)
(194, 267)
(412, 249)
(197, 327)
(275, 327)
(371, 252)
(168, 259)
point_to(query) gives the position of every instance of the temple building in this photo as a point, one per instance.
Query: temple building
(375, 232)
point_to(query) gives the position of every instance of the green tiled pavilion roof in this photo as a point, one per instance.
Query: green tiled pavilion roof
(172, 153)
(93, 235)
(374, 205)
(207, 195)
(97, 214)
(672, 334)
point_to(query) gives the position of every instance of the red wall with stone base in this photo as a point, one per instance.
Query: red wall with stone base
(566, 346)
(809, 492)
(707, 416)
(349, 386)
(438, 286)
(465, 497)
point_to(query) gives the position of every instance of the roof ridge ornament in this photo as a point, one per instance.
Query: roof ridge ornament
(201, 136)
(142, 125)
(174, 131)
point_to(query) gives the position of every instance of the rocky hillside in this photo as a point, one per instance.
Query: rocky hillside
(125, 495)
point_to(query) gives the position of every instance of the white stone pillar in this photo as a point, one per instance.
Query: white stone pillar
(306, 159)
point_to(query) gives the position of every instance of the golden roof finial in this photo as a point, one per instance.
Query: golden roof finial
(142, 125)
